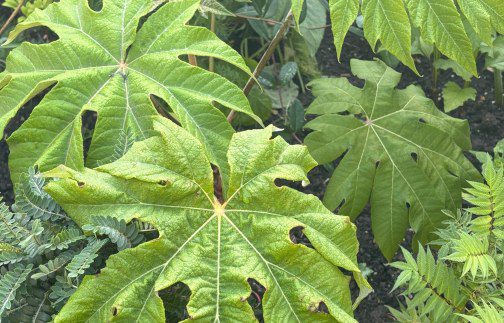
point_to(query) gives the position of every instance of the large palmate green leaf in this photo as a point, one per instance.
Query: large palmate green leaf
(104, 62)
(212, 247)
(439, 21)
(399, 151)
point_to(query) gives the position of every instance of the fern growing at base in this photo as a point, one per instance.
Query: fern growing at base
(467, 279)
(44, 254)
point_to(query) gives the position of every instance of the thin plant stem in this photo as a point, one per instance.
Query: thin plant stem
(11, 17)
(264, 59)
(435, 74)
(499, 90)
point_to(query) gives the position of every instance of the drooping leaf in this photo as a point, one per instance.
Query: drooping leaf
(454, 96)
(485, 16)
(387, 21)
(210, 246)
(343, 14)
(399, 152)
(446, 64)
(439, 22)
(102, 63)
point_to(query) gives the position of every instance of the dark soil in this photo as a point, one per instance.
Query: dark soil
(487, 127)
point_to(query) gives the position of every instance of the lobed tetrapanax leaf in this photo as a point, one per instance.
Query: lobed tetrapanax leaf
(108, 62)
(212, 247)
(398, 151)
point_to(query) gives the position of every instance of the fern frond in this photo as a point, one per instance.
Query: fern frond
(409, 313)
(488, 201)
(144, 227)
(10, 283)
(485, 313)
(85, 258)
(32, 200)
(122, 234)
(10, 254)
(33, 307)
(12, 228)
(473, 252)
(435, 286)
(63, 239)
(50, 268)
(35, 243)
(61, 291)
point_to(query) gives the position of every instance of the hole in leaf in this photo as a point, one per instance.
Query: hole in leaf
(163, 108)
(164, 182)
(175, 299)
(408, 206)
(14, 124)
(321, 307)
(217, 184)
(256, 297)
(279, 182)
(297, 236)
(41, 35)
(81, 184)
(377, 163)
(146, 229)
(95, 5)
(88, 125)
(421, 120)
(415, 157)
(114, 311)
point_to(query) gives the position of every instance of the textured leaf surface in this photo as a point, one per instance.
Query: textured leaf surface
(343, 14)
(439, 21)
(399, 152)
(454, 96)
(101, 63)
(485, 16)
(387, 20)
(212, 247)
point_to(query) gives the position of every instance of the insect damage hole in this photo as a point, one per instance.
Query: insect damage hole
(255, 298)
(89, 119)
(175, 299)
(414, 156)
(321, 307)
(297, 236)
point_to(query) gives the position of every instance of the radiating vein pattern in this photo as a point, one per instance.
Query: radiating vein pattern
(101, 63)
(213, 247)
(397, 150)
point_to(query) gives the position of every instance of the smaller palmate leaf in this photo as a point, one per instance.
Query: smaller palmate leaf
(454, 96)
(212, 247)
(399, 151)
(108, 62)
